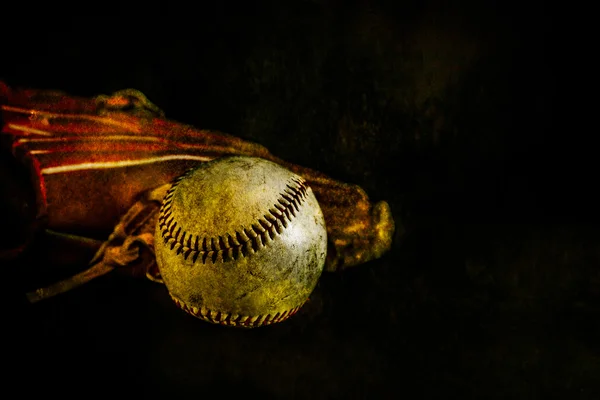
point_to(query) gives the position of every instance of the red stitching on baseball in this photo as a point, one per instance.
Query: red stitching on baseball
(227, 319)
(249, 240)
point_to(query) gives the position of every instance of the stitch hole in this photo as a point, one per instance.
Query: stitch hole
(222, 244)
(218, 315)
(301, 190)
(287, 215)
(301, 186)
(172, 228)
(204, 257)
(235, 252)
(231, 241)
(254, 243)
(195, 256)
(293, 191)
(209, 256)
(304, 190)
(228, 254)
(250, 233)
(264, 238)
(204, 245)
(270, 218)
(241, 237)
(259, 238)
(291, 211)
(272, 232)
(301, 196)
(274, 222)
(275, 212)
(196, 243)
(283, 202)
(265, 224)
(295, 202)
(279, 225)
(284, 222)
(286, 196)
(258, 228)
(244, 249)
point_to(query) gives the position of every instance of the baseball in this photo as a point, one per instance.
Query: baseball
(240, 241)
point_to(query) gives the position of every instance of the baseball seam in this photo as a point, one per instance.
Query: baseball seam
(242, 242)
(223, 318)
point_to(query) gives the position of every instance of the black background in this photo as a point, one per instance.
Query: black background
(444, 110)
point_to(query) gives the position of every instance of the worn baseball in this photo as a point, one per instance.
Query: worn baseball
(240, 241)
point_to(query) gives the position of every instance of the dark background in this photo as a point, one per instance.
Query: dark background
(444, 110)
